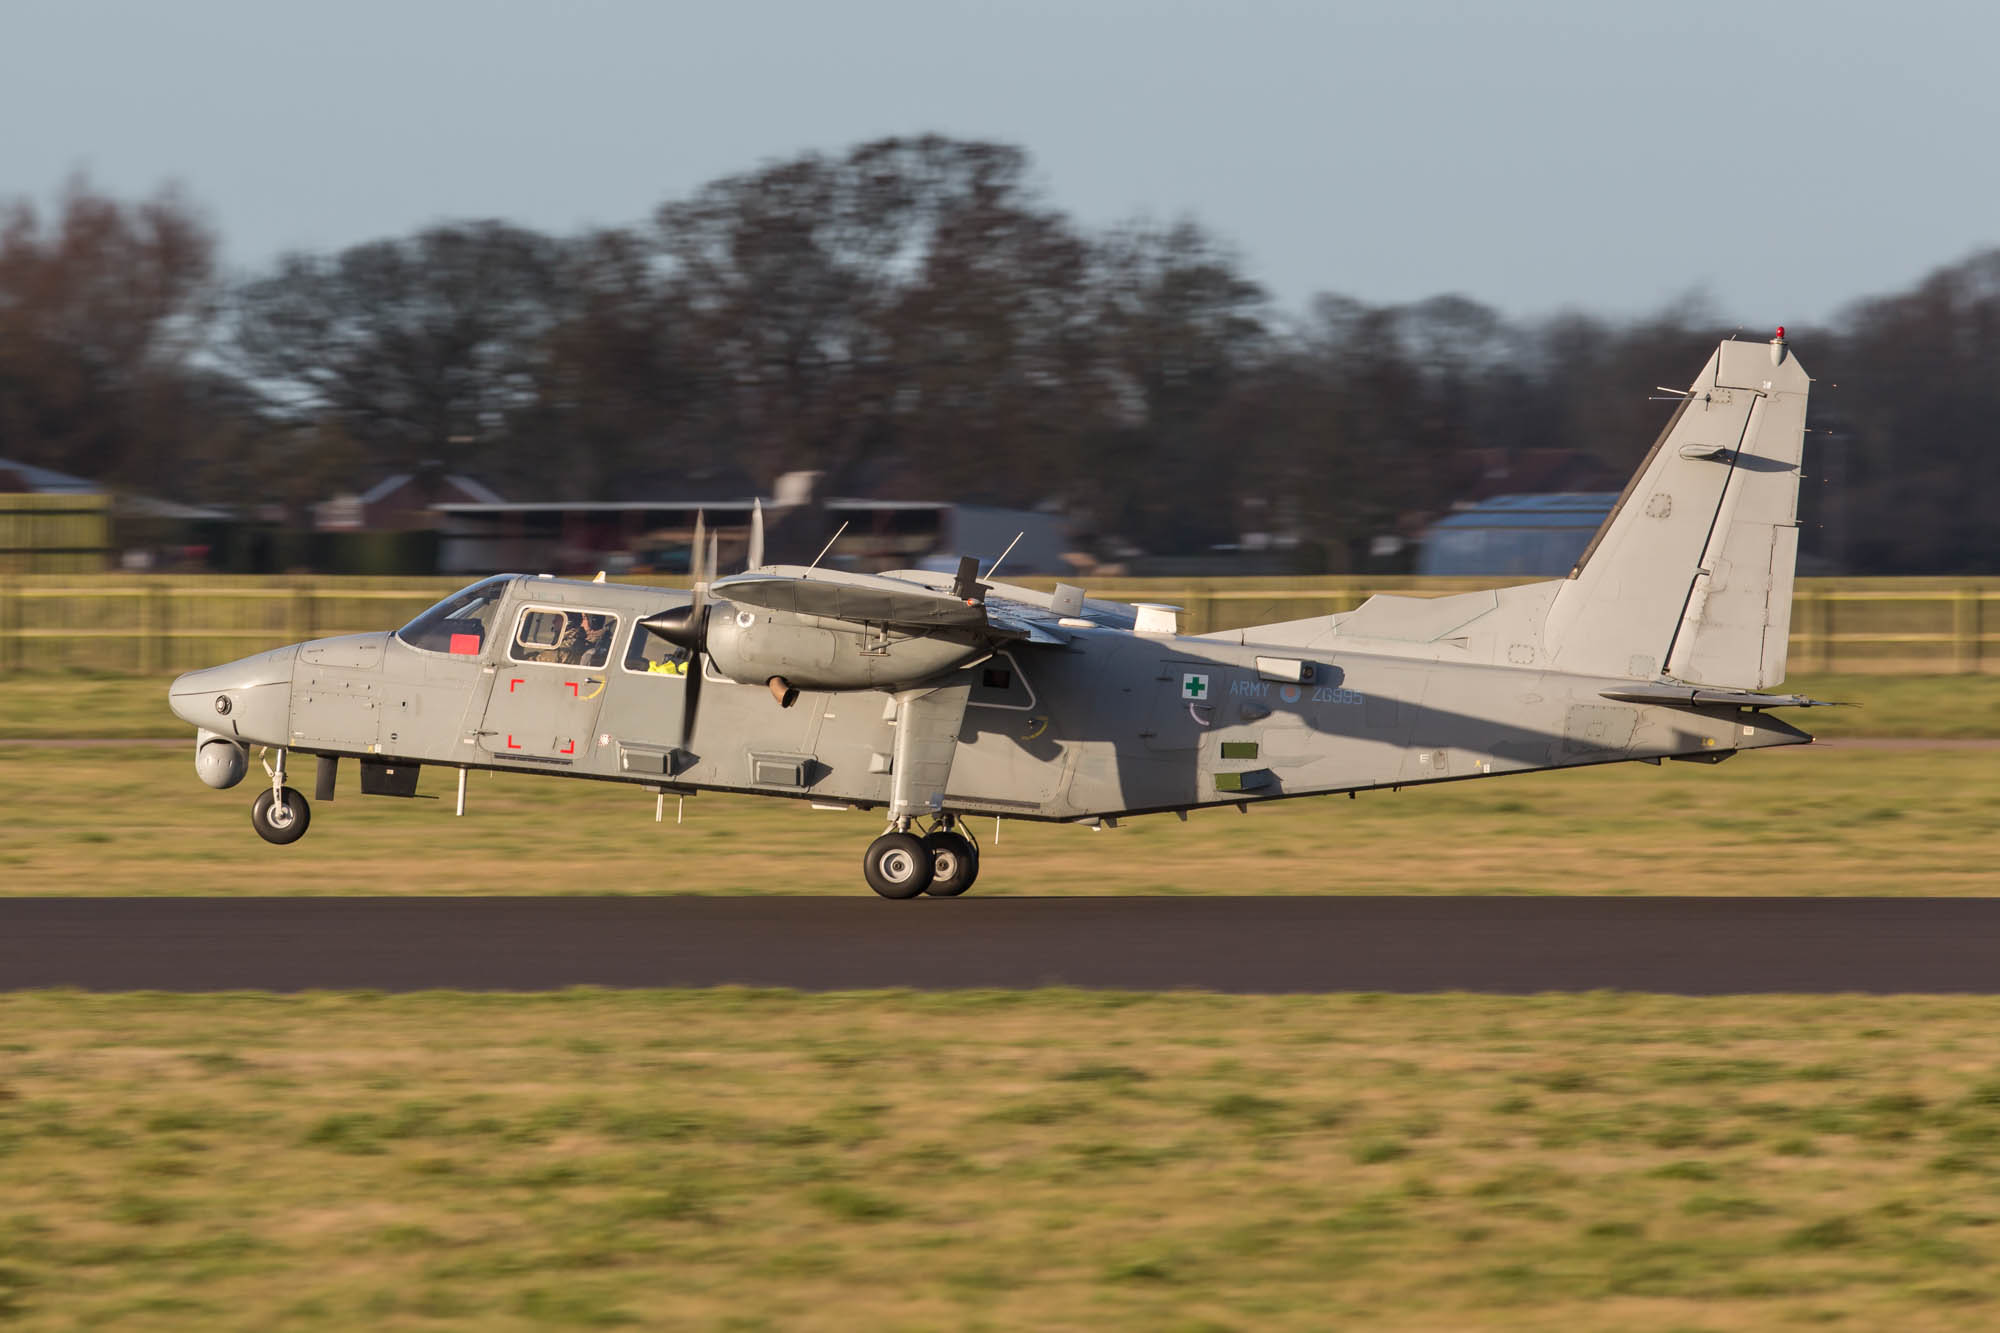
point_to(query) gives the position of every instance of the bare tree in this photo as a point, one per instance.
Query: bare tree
(104, 307)
(419, 349)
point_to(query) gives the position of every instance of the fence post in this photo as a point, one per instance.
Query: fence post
(10, 625)
(1201, 613)
(161, 596)
(145, 628)
(303, 612)
(1965, 631)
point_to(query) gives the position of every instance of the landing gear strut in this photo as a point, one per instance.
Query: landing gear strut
(280, 813)
(942, 862)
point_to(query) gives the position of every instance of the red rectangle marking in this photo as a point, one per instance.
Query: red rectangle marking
(465, 644)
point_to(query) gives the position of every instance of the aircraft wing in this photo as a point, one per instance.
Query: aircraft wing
(1023, 622)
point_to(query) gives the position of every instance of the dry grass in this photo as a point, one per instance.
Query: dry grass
(1801, 821)
(735, 1160)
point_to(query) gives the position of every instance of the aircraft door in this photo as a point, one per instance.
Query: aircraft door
(1190, 700)
(548, 685)
(648, 693)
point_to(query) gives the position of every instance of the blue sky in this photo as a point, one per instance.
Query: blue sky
(1783, 159)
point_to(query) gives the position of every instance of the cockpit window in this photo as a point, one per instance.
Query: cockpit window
(460, 623)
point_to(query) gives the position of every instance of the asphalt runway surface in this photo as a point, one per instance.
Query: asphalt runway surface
(1696, 946)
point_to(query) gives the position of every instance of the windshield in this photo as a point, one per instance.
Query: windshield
(461, 622)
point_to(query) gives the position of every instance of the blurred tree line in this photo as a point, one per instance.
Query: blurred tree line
(914, 319)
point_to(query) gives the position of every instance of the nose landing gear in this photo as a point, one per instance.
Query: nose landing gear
(942, 862)
(280, 814)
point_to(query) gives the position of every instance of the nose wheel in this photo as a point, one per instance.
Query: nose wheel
(280, 814)
(942, 863)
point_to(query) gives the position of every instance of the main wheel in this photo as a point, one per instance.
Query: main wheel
(280, 821)
(897, 865)
(954, 864)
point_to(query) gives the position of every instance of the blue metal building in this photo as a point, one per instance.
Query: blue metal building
(1516, 534)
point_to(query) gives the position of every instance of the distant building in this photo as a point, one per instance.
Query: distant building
(1516, 534)
(627, 536)
(52, 522)
(402, 502)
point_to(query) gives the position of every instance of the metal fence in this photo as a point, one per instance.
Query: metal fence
(124, 624)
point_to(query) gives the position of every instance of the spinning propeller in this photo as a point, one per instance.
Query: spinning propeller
(686, 627)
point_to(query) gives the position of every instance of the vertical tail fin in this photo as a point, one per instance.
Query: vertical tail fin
(1691, 574)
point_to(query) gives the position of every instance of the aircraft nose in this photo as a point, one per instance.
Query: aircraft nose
(250, 699)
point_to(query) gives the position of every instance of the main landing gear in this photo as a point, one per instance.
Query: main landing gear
(280, 813)
(942, 862)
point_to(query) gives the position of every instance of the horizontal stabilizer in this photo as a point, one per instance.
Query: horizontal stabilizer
(1692, 696)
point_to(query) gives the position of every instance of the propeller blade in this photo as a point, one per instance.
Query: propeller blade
(714, 542)
(690, 700)
(697, 571)
(756, 534)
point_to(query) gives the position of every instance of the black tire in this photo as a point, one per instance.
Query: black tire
(954, 864)
(897, 865)
(286, 823)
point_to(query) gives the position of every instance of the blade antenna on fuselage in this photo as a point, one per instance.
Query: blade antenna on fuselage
(756, 534)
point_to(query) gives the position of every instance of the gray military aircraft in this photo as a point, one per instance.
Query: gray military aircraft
(933, 698)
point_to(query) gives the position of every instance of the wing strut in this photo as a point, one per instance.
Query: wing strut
(927, 722)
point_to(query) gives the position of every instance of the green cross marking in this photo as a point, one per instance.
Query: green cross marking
(1194, 687)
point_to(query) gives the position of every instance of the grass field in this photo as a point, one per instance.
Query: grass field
(1050, 1160)
(1796, 821)
(51, 707)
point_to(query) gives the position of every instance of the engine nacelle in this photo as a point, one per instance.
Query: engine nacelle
(219, 761)
(750, 646)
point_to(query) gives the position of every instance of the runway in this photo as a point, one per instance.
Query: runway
(1695, 946)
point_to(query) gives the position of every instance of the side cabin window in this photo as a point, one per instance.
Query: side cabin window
(998, 683)
(654, 656)
(570, 638)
